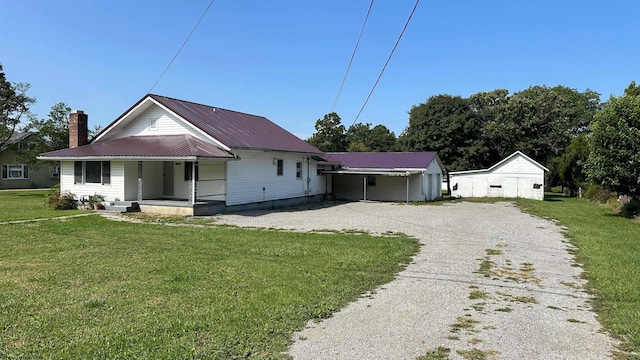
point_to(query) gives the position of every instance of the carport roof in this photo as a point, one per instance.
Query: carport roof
(383, 160)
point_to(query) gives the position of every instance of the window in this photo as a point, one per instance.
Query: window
(77, 172)
(537, 186)
(153, 124)
(92, 172)
(371, 180)
(106, 172)
(188, 171)
(280, 169)
(319, 170)
(298, 170)
(15, 171)
(496, 186)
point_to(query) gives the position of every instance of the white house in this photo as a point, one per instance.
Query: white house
(388, 176)
(165, 153)
(515, 176)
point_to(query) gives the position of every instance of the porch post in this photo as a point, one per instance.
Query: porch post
(193, 183)
(365, 188)
(139, 180)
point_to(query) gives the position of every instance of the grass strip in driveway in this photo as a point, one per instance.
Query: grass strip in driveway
(609, 249)
(92, 288)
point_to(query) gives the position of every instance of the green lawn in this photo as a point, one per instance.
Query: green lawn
(609, 247)
(88, 287)
(27, 204)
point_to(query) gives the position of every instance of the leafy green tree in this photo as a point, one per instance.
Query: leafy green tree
(52, 134)
(361, 137)
(498, 131)
(381, 139)
(614, 145)
(330, 134)
(571, 163)
(14, 105)
(358, 136)
(448, 125)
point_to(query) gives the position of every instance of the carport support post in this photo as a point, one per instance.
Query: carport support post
(139, 180)
(407, 188)
(365, 189)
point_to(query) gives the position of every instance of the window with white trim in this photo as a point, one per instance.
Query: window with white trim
(298, 170)
(280, 167)
(15, 171)
(92, 172)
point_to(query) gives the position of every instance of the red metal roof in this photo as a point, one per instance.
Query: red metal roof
(145, 146)
(235, 129)
(383, 160)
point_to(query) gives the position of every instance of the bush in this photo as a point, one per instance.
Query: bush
(60, 201)
(596, 194)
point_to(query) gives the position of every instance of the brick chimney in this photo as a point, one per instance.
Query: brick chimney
(78, 128)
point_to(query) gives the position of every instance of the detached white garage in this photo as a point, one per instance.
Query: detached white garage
(516, 176)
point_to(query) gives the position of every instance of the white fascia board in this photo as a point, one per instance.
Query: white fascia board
(126, 158)
(214, 140)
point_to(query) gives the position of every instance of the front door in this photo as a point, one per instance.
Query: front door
(168, 178)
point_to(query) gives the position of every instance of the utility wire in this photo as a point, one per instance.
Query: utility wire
(181, 47)
(386, 63)
(335, 102)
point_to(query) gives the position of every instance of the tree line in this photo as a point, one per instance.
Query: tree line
(578, 137)
(16, 117)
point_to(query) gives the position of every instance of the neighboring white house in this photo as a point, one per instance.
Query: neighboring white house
(196, 156)
(389, 176)
(516, 176)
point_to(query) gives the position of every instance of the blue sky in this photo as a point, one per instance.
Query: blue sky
(285, 59)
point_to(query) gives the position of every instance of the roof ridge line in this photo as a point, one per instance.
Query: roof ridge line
(205, 105)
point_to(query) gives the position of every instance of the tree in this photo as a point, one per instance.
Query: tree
(52, 134)
(448, 125)
(358, 137)
(571, 163)
(361, 137)
(14, 104)
(614, 145)
(381, 139)
(330, 134)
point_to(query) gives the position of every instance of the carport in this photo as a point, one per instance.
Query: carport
(348, 180)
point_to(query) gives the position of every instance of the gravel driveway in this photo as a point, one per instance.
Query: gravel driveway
(488, 277)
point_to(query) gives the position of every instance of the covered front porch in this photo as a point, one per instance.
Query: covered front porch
(176, 187)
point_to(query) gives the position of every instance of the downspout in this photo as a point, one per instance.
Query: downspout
(308, 177)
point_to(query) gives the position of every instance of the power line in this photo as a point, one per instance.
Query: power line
(335, 102)
(181, 47)
(386, 63)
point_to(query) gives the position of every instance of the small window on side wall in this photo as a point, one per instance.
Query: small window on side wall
(280, 167)
(537, 186)
(371, 180)
(298, 170)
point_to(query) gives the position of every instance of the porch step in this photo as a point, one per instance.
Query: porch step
(121, 206)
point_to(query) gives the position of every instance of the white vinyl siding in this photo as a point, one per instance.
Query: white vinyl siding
(156, 121)
(111, 192)
(254, 178)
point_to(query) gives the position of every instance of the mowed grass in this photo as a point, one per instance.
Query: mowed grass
(609, 248)
(88, 287)
(27, 204)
